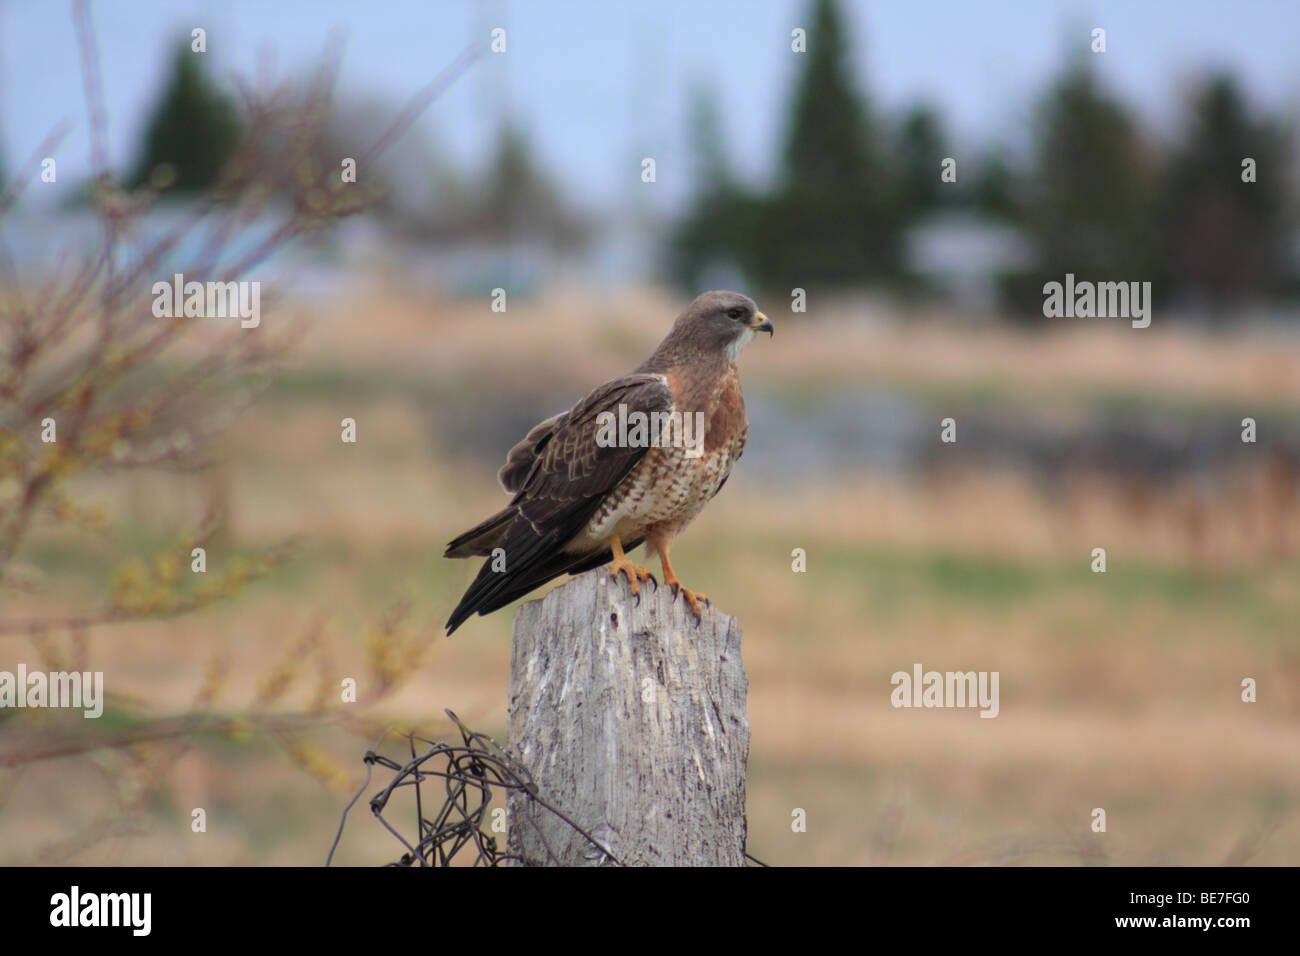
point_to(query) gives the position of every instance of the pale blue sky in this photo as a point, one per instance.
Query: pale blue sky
(600, 84)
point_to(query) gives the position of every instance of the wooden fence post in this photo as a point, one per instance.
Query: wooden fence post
(630, 716)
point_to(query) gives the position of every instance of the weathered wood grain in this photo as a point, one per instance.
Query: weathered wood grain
(630, 716)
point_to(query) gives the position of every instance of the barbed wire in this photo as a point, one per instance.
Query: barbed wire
(469, 775)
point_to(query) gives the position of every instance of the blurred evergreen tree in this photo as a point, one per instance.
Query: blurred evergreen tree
(1088, 206)
(721, 218)
(194, 128)
(819, 155)
(1093, 198)
(993, 192)
(1091, 181)
(1226, 240)
(919, 150)
(519, 202)
(831, 219)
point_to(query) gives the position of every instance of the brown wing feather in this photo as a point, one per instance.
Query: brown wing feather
(561, 475)
(568, 457)
(519, 460)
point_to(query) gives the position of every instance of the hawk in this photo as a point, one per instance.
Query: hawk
(587, 489)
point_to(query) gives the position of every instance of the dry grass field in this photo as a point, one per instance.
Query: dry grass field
(1118, 690)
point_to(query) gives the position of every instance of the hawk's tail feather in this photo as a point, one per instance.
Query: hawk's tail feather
(527, 567)
(482, 538)
(531, 561)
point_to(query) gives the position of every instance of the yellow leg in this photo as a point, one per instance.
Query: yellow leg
(693, 598)
(635, 574)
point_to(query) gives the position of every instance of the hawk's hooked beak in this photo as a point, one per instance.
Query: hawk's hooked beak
(762, 324)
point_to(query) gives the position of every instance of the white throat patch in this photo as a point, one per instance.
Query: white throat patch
(733, 350)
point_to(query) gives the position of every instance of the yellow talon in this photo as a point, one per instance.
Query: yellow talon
(634, 573)
(693, 598)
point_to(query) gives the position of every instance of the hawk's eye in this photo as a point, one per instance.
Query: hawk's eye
(736, 313)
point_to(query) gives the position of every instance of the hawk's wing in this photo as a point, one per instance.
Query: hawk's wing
(520, 459)
(559, 475)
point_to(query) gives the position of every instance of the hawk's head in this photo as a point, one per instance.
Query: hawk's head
(723, 321)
